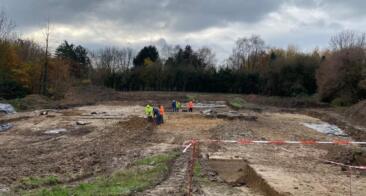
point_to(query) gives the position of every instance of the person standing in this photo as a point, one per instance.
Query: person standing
(190, 106)
(162, 113)
(174, 105)
(179, 106)
(149, 112)
(157, 115)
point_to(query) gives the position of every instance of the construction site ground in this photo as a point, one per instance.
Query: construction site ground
(79, 144)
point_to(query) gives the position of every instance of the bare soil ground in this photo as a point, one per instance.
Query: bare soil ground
(80, 152)
(116, 134)
(289, 169)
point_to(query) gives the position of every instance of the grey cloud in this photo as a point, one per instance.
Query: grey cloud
(177, 20)
(336, 8)
(187, 15)
(35, 12)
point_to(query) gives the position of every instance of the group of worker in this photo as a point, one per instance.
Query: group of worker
(156, 113)
(176, 105)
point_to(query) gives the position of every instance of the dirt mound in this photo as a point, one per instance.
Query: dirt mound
(347, 155)
(357, 113)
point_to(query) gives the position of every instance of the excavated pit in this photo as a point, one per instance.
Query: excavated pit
(239, 173)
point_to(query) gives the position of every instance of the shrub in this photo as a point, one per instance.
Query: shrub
(11, 90)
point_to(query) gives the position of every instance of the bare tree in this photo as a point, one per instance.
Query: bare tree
(44, 74)
(6, 25)
(207, 56)
(348, 39)
(112, 59)
(247, 52)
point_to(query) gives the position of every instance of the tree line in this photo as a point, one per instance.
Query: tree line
(337, 74)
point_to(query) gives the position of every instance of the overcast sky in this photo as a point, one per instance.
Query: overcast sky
(212, 23)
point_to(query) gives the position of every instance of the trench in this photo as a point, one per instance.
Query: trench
(238, 173)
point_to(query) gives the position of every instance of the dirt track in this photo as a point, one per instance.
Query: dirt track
(117, 135)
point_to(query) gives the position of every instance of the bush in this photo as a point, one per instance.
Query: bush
(341, 102)
(340, 77)
(12, 90)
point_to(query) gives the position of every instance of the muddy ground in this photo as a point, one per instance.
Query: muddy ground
(115, 133)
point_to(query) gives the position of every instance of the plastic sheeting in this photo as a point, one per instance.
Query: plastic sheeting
(5, 127)
(7, 108)
(326, 128)
(56, 131)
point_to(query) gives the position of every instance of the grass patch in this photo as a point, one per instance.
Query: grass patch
(192, 97)
(141, 175)
(197, 170)
(198, 175)
(35, 182)
(237, 103)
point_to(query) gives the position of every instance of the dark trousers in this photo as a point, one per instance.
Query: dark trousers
(190, 109)
(150, 119)
(158, 119)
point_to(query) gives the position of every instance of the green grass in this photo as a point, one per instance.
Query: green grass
(143, 174)
(197, 170)
(191, 97)
(237, 103)
(198, 175)
(35, 182)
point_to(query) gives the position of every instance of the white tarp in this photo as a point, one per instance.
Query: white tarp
(7, 108)
(55, 131)
(326, 128)
(209, 105)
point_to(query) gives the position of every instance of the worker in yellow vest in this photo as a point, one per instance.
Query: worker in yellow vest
(149, 112)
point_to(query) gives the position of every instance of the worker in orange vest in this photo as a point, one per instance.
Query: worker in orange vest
(190, 106)
(162, 112)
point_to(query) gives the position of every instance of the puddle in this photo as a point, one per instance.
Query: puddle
(239, 173)
(326, 128)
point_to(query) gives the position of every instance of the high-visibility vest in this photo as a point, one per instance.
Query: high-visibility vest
(162, 110)
(149, 110)
(190, 104)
